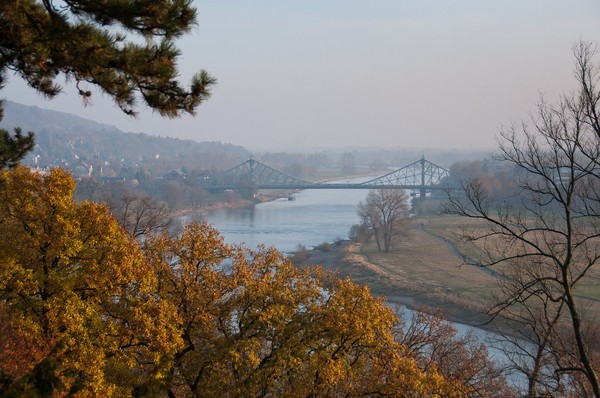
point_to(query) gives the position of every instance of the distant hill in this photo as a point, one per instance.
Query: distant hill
(86, 146)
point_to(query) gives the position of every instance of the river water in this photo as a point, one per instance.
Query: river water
(313, 217)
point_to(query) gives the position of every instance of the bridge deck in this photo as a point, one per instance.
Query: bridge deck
(323, 186)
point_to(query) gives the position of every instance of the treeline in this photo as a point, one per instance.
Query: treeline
(87, 309)
(174, 193)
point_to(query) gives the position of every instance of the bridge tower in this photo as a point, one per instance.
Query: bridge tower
(422, 189)
(251, 169)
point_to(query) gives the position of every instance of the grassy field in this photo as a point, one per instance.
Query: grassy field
(426, 268)
(450, 227)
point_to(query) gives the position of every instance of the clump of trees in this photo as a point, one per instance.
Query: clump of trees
(548, 243)
(86, 310)
(384, 214)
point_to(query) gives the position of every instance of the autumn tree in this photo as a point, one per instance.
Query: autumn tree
(75, 295)
(125, 49)
(255, 325)
(548, 245)
(385, 212)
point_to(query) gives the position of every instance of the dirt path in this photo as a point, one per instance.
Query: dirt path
(456, 252)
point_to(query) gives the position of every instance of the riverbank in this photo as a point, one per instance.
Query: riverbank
(422, 270)
(266, 196)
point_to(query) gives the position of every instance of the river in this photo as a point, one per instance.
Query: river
(313, 217)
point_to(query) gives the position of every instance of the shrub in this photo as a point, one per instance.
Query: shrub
(324, 247)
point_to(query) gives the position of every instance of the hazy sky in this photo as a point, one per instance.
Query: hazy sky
(377, 73)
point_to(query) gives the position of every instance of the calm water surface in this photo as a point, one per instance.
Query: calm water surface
(314, 217)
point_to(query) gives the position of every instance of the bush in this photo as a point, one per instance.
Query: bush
(301, 254)
(324, 247)
(359, 233)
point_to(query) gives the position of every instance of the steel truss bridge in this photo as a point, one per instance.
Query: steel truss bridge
(421, 175)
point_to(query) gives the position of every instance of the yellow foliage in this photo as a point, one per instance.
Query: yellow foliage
(70, 270)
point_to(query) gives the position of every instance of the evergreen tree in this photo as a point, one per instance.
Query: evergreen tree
(13, 148)
(124, 48)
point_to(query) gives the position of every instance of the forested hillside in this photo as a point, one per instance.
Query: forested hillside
(90, 148)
